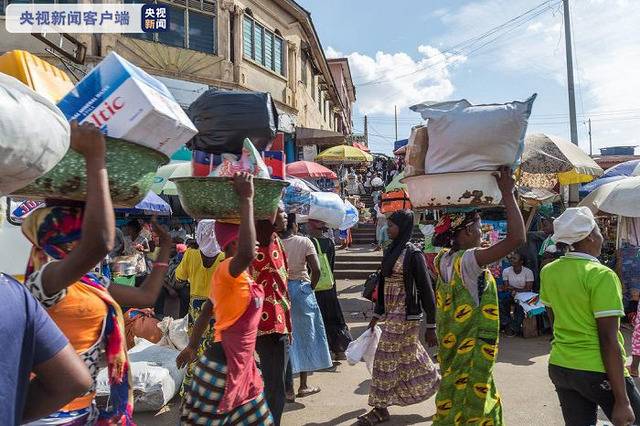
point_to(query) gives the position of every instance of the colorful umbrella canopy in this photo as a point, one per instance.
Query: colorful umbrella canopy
(309, 169)
(551, 155)
(161, 183)
(621, 197)
(612, 174)
(344, 154)
(150, 204)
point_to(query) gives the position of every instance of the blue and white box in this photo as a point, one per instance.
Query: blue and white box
(127, 103)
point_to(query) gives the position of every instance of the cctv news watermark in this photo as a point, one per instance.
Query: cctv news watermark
(87, 18)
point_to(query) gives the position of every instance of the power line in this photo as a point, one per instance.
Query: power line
(458, 48)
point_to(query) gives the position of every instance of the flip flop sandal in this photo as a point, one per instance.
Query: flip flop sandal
(308, 392)
(372, 418)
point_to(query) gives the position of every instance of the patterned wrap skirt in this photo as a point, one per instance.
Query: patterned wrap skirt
(201, 400)
(403, 373)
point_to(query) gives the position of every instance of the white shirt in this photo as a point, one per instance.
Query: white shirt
(470, 271)
(518, 280)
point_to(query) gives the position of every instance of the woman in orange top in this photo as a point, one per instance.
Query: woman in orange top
(227, 388)
(68, 243)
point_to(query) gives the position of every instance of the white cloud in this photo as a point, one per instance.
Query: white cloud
(389, 79)
(607, 49)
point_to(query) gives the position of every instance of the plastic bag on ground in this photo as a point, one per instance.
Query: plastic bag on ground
(174, 332)
(224, 119)
(250, 161)
(327, 207)
(363, 349)
(465, 137)
(34, 135)
(154, 375)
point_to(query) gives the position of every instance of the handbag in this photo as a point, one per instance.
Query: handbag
(370, 290)
(326, 276)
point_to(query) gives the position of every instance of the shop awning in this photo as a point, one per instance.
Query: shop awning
(306, 136)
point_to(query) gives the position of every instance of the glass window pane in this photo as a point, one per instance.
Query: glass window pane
(277, 56)
(201, 34)
(257, 38)
(66, 1)
(247, 37)
(268, 50)
(175, 35)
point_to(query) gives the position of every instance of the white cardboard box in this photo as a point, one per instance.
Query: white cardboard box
(127, 103)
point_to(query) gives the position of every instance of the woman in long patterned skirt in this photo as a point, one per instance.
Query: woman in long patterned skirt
(403, 373)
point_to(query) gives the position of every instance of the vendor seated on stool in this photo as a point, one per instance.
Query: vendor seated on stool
(517, 278)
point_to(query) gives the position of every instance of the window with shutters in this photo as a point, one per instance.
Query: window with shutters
(262, 45)
(192, 25)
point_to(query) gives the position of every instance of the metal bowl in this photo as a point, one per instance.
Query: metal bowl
(131, 170)
(214, 197)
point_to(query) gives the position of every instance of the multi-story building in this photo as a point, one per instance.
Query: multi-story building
(269, 46)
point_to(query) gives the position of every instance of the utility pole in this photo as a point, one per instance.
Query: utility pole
(573, 189)
(395, 109)
(366, 129)
(590, 141)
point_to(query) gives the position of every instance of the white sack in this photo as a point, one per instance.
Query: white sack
(363, 349)
(465, 137)
(327, 207)
(174, 332)
(155, 377)
(34, 135)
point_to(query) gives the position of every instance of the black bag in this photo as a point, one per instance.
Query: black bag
(371, 286)
(224, 119)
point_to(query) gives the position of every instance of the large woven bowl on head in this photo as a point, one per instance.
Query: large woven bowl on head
(215, 198)
(131, 170)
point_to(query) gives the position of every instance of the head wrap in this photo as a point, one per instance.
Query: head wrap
(206, 238)
(574, 225)
(449, 224)
(403, 219)
(48, 229)
(226, 233)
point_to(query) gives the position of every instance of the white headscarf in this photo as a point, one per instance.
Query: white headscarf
(575, 224)
(206, 238)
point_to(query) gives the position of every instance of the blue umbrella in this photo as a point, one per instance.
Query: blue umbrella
(612, 174)
(151, 204)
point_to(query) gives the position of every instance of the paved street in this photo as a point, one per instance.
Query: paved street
(527, 393)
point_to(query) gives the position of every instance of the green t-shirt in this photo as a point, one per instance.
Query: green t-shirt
(579, 290)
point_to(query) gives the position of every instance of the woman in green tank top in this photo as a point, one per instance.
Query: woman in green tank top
(467, 314)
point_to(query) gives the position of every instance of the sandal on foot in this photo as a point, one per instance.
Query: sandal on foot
(372, 418)
(308, 392)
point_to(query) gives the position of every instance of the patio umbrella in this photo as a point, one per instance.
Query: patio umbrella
(621, 197)
(344, 154)
(561, 160)
(395, 183)
(309, 169)
(612, 174)
(150, 204)
(161, 183)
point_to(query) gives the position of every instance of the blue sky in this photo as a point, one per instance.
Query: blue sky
(400, 54)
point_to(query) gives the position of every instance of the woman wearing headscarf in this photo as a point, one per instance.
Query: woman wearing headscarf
(467, 311)
(584, 298)
(197, 267)
(403, 374)
(67, 244)
(310, 350)
(227, 388)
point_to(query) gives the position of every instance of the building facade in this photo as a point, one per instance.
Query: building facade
(268, 46)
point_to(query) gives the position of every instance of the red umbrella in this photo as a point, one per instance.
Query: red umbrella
(309, 169)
